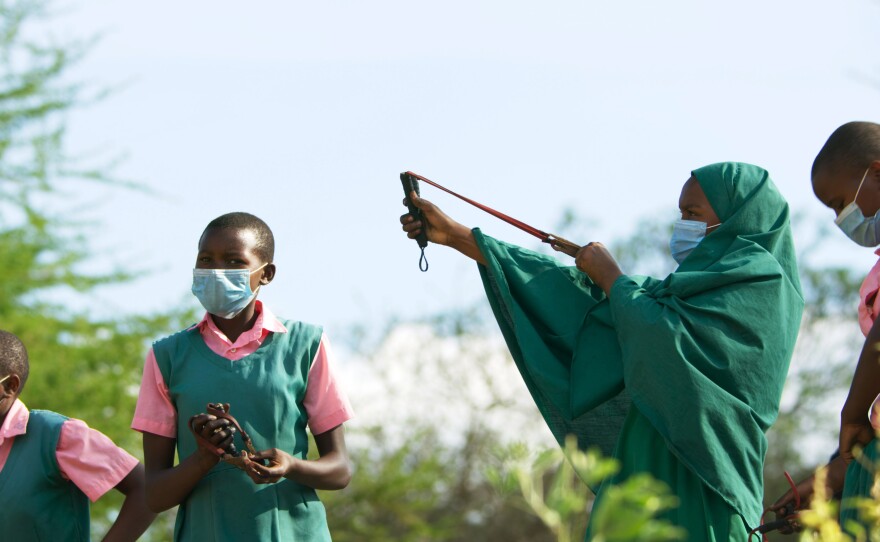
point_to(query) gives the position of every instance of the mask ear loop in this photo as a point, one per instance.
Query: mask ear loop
(859, 189)
(254, 271)
(423, 261)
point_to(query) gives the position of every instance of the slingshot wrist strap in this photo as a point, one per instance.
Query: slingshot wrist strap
(557, 242)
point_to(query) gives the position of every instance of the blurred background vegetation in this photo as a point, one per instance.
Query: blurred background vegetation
(413, 482)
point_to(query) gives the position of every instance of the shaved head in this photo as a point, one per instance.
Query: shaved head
(265, 247)
(13, 357)
(850, 149)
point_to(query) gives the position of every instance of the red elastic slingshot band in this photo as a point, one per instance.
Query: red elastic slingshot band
(555, 241)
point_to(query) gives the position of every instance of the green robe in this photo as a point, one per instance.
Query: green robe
(679, 377)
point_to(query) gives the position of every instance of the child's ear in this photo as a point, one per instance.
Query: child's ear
(268, 274)
(12, 385)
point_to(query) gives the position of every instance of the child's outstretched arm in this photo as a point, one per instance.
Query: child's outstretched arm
(331, 471)
(855, 427)
(168, 485)
(134, 517)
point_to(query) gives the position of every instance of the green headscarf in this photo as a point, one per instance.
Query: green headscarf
(702, 354)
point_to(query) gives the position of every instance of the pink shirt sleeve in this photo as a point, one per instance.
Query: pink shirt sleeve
(869, 304)
(90, 460)
(326, 404)
(154, 412)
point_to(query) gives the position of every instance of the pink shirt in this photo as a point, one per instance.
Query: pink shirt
(325, 403)
(85, 456)
(869, 306)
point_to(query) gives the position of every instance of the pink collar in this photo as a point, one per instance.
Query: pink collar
(16, 421)
(266, 320)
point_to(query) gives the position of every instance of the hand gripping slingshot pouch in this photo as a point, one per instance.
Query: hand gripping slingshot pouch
(230, 455)
(410, 182)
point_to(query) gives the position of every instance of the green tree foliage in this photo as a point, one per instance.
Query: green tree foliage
(416, 478)
(416, 488)
(427, 490)
(81, 366)
(554, 483)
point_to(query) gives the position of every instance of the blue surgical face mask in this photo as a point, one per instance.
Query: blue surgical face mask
(862, 230)
(686, 235)
(224, 292)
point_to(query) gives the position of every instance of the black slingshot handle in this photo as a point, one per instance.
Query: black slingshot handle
(411, 184)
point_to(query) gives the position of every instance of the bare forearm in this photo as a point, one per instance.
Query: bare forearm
(133, 520)
(169, 487)
(331, 471)
(836, 475)
(866, 381)
(134, 516)
(462, 239)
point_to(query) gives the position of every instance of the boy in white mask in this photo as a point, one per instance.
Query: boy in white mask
(276, 375)
(846, 179)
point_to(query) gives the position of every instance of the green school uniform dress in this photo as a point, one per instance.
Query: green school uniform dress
(266, 391)
(38, 503)
(679, 377)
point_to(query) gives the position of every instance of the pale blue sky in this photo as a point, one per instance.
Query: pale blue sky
(305, 113)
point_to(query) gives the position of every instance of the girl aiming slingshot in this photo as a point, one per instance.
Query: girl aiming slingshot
(679, 377)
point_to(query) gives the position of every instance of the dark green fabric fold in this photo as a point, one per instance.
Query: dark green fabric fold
(702, 354)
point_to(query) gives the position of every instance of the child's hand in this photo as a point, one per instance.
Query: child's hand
(785, 505)
(441, 229)
(217, 431)
(854, 434)
(280, 465)
(595, 260)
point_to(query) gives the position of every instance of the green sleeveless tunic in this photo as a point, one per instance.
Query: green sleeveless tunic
(39, 503)
(265, 391)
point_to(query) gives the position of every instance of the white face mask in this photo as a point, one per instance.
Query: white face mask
(224, 292)
(862, 230)
(686, 235)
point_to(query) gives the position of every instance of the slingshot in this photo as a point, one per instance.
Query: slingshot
(787, 519)
(410, 183)
(229, 454)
